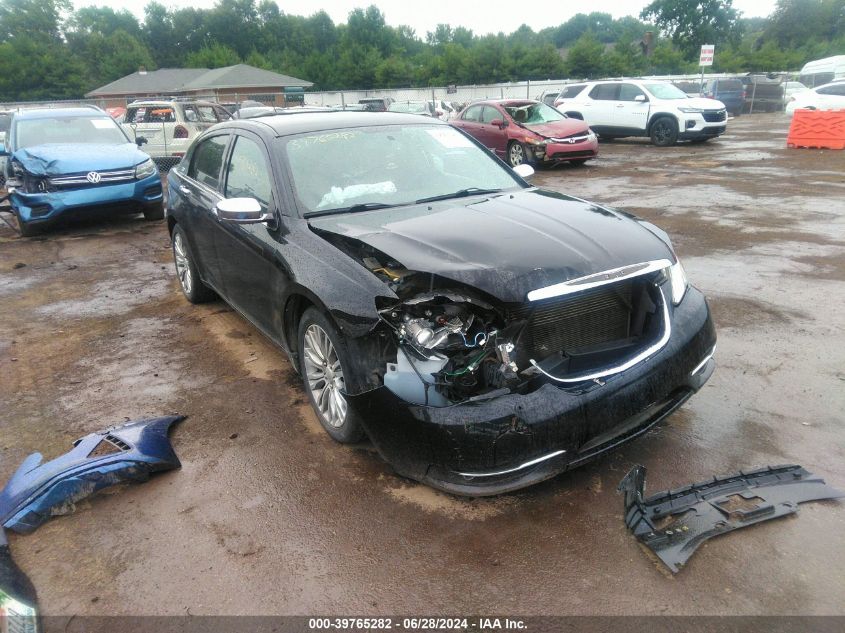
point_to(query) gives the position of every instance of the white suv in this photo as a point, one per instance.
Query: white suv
(170, 125)
(656, 109)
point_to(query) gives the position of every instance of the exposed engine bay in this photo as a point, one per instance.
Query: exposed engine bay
(454, 345)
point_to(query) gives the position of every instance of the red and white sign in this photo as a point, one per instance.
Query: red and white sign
(707, 53)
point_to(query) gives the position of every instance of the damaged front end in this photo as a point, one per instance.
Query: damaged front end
(481, 395)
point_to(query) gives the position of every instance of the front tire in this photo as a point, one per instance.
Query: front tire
(323, 357)
(192, 286)
(25, 228)
(517, 154)
(664, 132)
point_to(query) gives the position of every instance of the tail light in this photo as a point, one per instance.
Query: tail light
(180, 132)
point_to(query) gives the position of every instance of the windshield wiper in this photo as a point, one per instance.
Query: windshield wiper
(361, 206)
(461, 193)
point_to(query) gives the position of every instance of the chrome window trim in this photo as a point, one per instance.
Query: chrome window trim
(528, 464)
(598, 279)
(652, 349)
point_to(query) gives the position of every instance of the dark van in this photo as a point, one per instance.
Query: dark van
(731, 92)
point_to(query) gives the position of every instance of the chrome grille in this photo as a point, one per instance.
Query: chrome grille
(578, 137)
(106, 177)
(714, 116)
(575, 321)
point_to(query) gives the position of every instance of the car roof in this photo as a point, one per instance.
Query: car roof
(48, 113)
(288, 123)
(169, 102)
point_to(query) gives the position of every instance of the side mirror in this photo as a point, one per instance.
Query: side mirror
(242, 211)
(499, 123)
(526, 172)
(141, 140)
(640, 99)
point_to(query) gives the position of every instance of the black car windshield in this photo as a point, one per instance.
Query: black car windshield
(530, 113)
(68, 129)
(666, 91)
(360, 168)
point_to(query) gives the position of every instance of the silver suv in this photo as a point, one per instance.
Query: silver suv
(170, 125)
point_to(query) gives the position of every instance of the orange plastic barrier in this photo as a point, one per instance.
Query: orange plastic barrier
(817, 129)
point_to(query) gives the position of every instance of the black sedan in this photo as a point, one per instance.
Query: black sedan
(483, 333)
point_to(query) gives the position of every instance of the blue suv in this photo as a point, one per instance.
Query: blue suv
(76, 162)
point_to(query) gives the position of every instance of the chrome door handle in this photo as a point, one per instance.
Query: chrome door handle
(184, 190)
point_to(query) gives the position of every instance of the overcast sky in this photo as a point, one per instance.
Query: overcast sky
(491, 16)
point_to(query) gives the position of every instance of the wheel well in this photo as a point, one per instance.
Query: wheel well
(575, 115)
(294, 309)
(171, 222)
(662, 115)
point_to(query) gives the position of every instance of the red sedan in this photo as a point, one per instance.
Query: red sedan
(527, 131)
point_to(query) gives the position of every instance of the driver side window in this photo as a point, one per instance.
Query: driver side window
(489, 114)
(248, 175)
(629, 92)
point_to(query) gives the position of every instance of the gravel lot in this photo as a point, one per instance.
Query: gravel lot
(269, 516)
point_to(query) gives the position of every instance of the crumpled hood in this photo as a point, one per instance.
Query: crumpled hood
(505, 245)
(55, 159)
(559, 129)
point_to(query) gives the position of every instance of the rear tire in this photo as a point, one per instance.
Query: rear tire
(664, 132)
(323, 361)
(192, 286)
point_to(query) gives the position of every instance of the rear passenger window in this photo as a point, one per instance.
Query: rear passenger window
(248, 175)
(208, 160)
(150, 114)
(571, 91)
(604, 92)
(200, 114)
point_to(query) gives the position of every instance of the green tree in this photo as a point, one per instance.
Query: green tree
(215, 56)
(691, 23)
(586, 57)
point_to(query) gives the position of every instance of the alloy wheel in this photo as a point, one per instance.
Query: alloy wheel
(324, 375)
(516, 155)
(662, 132)
(183, 267)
